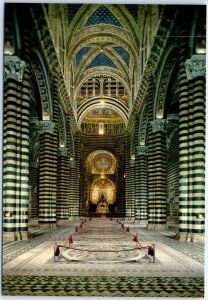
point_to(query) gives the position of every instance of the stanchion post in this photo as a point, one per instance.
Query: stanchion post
(153, 246)
(54, 252)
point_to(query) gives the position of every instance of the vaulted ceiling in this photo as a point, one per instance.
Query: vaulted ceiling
(101, 47)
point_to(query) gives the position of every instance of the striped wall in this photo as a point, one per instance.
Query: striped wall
(16, 153)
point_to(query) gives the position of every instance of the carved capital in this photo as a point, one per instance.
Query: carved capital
(72, 163)
(132, 162)
(62, 151)
(13, 68)
(159, 125)
(46, 127)
(195, 67)
(34, 164)
(142, 150)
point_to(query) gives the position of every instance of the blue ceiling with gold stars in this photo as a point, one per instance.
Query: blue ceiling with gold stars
(102, 16)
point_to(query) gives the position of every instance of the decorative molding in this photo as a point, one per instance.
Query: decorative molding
(13, 68)
(195, 67)
(46, 127)
(62, 151)
(142, 150)
(159, 125)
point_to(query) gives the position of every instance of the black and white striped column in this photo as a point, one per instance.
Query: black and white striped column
(47, 175)
(16, 149)
(141, 186)
(157, 176)
(62, 210)
(74, 182)
(127, 181)
(192, 150)
(34, 182)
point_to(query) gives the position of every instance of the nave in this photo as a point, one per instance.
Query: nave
(30, 267)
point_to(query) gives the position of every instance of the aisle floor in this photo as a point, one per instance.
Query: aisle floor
(89, 269)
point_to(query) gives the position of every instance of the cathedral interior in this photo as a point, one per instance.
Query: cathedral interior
(103, 150)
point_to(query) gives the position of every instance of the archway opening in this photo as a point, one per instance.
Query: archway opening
(101, 178)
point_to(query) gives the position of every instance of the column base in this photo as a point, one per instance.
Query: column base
(157, 226)
(16, 236)
(198, 238)
(9, 237)
(129, 219)
(141, 222)
(74, 218)
(190, 237)
(47, 225)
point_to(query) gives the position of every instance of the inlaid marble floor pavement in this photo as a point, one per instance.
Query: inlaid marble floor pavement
(29, 267)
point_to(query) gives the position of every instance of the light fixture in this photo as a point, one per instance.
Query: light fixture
(159, 114)
(102, 102)
(133, 157)
(61, 145)
(71, 158)
(46, 116)
(142, 142)
(101, 128)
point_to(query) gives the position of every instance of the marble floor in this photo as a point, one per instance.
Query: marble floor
(103, 260)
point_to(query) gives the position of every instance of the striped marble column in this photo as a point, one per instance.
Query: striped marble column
(74, 183)
(141, 187)
(127, 181)
(157, 176)
(183, 148)
(62, 211)
(192, 215)
(16, 149)
(47, 175)
(132, 186)
(34, 182)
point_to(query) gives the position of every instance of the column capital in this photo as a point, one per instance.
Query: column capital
(142, 150)
(72, 163)
(46, 127)
(195, 66)
(13, 68)
(62, 151)
(159, 125)
(132, 162)
(34, 164)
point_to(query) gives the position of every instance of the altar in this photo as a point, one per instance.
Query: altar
(102, 206)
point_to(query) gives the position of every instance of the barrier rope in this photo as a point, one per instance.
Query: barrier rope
(151, 249)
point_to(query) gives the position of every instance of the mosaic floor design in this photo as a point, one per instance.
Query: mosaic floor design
(107, 286)
(28, 265)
